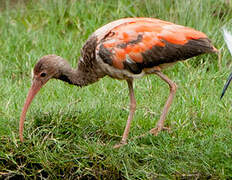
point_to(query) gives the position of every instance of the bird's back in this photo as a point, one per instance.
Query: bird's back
(133, 44)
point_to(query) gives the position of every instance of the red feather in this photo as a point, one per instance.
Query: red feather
(133, 37)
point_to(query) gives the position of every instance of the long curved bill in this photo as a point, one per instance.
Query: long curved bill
(226, 85)
(36, 85)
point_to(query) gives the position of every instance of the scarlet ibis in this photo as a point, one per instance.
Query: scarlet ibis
(124, 49)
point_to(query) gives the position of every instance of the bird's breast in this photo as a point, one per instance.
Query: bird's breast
(115, 72)
(127, 74)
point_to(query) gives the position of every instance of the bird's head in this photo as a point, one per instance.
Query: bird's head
(46, 68)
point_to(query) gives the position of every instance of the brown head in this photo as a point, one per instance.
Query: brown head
(47, 67)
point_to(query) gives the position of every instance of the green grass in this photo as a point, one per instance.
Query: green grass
(70, 131)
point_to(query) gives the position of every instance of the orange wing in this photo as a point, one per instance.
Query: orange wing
(144, 43)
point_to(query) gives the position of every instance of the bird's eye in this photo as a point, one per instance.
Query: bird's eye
(43, 74)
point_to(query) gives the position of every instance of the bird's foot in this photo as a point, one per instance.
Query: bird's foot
(155, 131)
(122, 143)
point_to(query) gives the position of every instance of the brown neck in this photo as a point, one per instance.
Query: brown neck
(82, 76)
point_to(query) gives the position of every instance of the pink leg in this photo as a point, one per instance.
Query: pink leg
(173, 87)
(131, 114)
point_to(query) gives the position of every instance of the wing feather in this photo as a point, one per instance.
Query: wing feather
(144, 44)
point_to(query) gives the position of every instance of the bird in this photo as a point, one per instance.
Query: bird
(124, 49)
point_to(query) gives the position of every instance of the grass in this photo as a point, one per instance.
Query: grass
(69, 131)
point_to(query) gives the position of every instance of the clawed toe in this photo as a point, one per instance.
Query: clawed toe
(122, 143)
(155, 131)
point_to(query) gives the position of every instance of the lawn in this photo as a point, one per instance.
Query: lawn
(70, 132)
